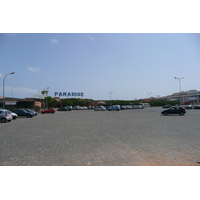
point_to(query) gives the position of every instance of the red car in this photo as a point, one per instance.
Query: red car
(48, 110)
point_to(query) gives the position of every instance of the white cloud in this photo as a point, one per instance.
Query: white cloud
(91, 38)
(33, 69)
(54, 41)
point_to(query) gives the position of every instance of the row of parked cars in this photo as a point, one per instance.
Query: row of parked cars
(7, 115)
(103, 108)
(118, 107)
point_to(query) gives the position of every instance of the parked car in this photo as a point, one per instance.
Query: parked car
(23, 112)
(174, 110)
(196, 106)
(98, 108)
(137, 106)
(80, 108)
(5, 116)
(32, 111)
(14, 115)
(188, 107)
(62, 109)
(69, 107)
(125, 107)
(48, 110)
(145, 105)
(166, 106)
(114, 107)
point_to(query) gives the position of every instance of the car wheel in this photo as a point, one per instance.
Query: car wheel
(165, 113)
(181, 113)
(3, 120)
(42, 113)
(53, 112)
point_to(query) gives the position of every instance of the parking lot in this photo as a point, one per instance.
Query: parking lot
(138, 137)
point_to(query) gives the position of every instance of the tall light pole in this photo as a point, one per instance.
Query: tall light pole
(179, 79)
(4, 88)
(110, 96)
(148, 94)
(46, 92)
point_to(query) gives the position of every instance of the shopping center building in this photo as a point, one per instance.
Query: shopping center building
(14, 103)
(188, 97)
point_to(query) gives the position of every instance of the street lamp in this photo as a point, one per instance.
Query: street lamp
(179, 79)
(110, 96)
(148, 94)
(46, 91)
(4, 88)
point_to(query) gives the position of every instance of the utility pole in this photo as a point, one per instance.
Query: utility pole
(110, 96)
(179, 79)
(46, 92)
(4, 88)
(148, 94)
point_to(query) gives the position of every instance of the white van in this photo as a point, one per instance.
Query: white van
(145, 105)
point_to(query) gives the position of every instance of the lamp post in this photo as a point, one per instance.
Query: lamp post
(4, 88)
(179, 79)
(46, 92)
(110, 96)
(148, 94)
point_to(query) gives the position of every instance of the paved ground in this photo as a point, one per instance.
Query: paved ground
(100, 138)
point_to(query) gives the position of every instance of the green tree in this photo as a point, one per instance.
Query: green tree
(67, 102)
(51, 102)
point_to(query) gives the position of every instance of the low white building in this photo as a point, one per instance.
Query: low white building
(191, 97)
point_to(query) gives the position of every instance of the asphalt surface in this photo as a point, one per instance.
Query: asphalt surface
(139, 137)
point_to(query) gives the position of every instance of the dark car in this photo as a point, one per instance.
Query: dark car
(69, 108)
(23, 112)
(174, 110)
(32, 111)
(62, 109)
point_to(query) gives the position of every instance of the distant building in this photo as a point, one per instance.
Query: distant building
(188, 97)
(14, 103)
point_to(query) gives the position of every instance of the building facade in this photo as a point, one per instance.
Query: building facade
(188, 97)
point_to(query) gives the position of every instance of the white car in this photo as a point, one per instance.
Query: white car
(14, 115)
(99, 108)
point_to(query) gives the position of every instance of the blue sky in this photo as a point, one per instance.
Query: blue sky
(132, 65)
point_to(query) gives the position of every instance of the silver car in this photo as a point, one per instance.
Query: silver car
(5, 116)
(99, 108)
(14, 115)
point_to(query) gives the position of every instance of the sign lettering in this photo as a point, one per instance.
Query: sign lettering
(70, 94)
